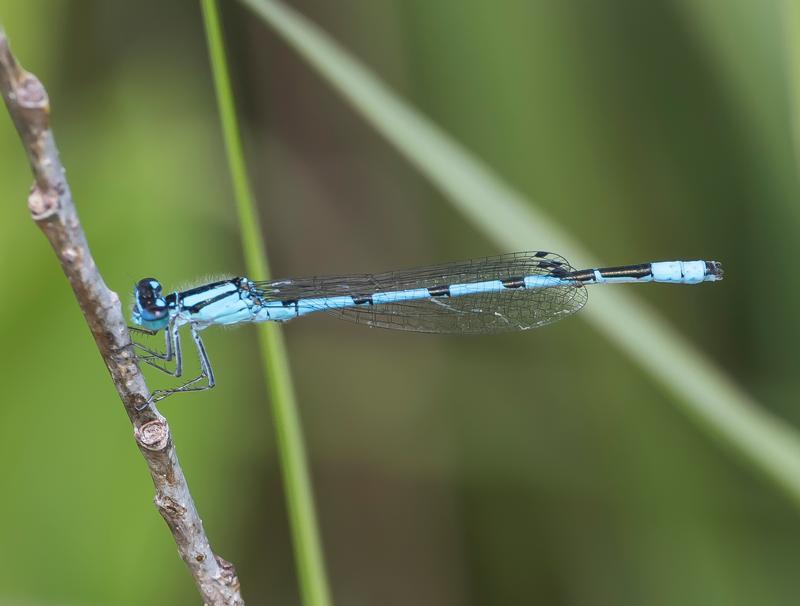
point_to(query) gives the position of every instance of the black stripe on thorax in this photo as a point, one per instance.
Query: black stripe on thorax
(199, 290)
(201, 304)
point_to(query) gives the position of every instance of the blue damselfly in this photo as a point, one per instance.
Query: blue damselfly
(516, 291)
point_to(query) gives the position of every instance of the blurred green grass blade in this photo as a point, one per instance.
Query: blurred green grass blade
(704, 392)
(791, 30)
(300, 501)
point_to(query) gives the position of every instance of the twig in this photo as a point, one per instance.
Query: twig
(52, 209)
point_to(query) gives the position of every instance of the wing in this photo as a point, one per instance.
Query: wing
(508, 309)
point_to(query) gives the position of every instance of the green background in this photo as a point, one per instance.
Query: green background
(539, 468)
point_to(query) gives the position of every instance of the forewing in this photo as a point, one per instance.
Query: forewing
(505, 309)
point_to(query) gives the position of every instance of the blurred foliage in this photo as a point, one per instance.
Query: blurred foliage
(518, 469)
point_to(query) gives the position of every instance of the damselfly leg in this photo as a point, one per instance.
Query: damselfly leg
(172, 341)
(206, 372)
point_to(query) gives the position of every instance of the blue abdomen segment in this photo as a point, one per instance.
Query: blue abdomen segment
(681, 272)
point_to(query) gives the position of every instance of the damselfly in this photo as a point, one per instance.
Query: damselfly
(516, 291)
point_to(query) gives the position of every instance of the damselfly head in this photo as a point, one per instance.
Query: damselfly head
(149, 306)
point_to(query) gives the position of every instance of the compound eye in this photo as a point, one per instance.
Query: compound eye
(151, 304)
(148, 288)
